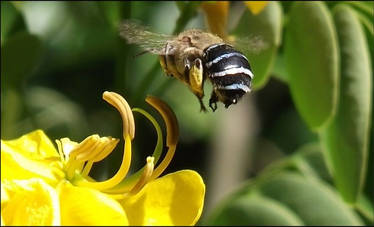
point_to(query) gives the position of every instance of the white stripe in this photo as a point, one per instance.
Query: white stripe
(234, 71)
(217, 59)
(235, 87)
(214, 46)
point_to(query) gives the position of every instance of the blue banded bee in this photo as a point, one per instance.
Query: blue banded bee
(194, 56)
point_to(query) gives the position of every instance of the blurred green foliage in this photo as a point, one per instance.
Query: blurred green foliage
(312, 91)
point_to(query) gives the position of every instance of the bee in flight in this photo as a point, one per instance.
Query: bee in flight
(194, 56)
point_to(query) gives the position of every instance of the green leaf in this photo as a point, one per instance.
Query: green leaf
(187, 10)
(11, 20)
(346, 138)
(369, 31)
(309, 160)
(267, 26)
(279, 71)
(311, 57)
(363, 8)
(313, 201)
(365, 207)
(11, 111)
(255, 210)
(111, 11)
(282, 197)
(19, 56)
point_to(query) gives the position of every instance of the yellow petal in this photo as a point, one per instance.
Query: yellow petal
(256, 6)
(34, 145)
(32, 155)
(86, 206)
(30, 202)
(4, 194)
(216, 14)
(174, 199)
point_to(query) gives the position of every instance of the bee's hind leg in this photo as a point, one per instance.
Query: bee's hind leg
(213, 101)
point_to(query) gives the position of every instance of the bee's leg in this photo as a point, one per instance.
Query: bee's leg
(196, 81)
(187, 68)
(164, 66)
(196, 77)
(202, 106)
(213, 101)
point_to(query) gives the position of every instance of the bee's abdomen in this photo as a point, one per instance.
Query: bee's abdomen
(227, 68)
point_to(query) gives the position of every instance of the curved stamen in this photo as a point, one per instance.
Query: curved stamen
(124, 109)
(172, 134)
(169, 117)
(128, 133)
(121, 173)
(127, 184)
(147, 173)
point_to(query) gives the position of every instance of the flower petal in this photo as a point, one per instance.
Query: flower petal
(86, 206)
(34, 145)
(174, 199)
(30, 202)
(31, 155)
(256, 6)
(216, 14)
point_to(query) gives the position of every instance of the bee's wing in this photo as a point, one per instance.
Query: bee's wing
(250, 44)
(135, 33)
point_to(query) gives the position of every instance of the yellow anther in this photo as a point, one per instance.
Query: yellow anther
(169, 118)
(146, 175)
(124, 109)
(84, 146)
(106, 150)
(172, 132)
(119, 176)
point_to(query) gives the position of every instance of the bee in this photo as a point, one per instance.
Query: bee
(192, 57)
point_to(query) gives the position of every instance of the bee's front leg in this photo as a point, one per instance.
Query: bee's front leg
(196, 80)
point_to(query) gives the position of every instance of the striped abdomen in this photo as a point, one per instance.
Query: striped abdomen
(229, 71)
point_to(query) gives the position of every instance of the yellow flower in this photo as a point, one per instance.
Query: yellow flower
(216, 14)
(256, 6)
(43, 186)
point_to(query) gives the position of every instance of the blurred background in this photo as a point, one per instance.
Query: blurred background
(273, 158)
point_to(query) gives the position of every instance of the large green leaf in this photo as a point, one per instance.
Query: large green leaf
(309, 161)
(267, 26)
(346, 138)
(311, 57)
(255, 210)
(310, 199)
(11, 20)
(284, 198)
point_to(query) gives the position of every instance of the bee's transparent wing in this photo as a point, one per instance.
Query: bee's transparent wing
(251, 44)
(135, 33)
